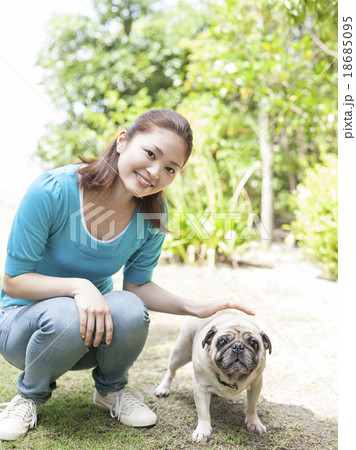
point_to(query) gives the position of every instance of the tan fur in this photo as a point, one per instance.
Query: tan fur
(208, 376)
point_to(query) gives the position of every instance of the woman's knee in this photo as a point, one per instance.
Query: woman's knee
(60, 318)
(128, 312)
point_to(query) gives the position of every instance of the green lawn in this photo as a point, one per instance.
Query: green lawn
(70, 421)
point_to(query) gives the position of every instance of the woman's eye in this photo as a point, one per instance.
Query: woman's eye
(170, 170)
(150, 154)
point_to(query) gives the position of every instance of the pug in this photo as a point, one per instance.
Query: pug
(228, 352)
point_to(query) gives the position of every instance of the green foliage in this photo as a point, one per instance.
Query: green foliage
(319, 16)
(315, 225)
(103, 72)
(206, 208)
(214, 62)
(250, 52)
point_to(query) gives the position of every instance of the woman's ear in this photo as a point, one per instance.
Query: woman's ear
(120, 142)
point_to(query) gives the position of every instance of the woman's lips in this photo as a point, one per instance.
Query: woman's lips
(142, 180)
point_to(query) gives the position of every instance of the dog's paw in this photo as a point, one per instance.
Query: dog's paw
(254, 424)
(161, 391)
(202, 433)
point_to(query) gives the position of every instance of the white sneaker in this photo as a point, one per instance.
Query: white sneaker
(17, 417)
(127, 405)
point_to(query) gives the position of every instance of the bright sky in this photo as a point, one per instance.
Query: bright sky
(24, 109)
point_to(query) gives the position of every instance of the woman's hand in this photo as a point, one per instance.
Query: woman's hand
(204, 309)
(94, 313)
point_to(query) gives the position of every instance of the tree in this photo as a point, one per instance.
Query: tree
(103, 71)
(260, 64)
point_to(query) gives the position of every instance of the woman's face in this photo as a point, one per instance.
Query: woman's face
(149, 162)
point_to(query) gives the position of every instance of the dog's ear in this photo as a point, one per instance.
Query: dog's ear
(266, 342)
(209, 336)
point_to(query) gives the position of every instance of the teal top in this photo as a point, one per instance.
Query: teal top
(49, 237)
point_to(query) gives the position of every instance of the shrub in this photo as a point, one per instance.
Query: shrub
(315, 225)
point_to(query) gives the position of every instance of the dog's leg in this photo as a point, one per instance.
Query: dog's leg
(180, 355)
(202, 402)
(252, 421)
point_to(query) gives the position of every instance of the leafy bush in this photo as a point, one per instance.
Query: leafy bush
(315, 225)
(211, 212)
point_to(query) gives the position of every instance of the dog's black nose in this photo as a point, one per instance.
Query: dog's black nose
(237, 348)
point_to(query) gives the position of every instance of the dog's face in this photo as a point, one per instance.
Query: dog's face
(236, 348)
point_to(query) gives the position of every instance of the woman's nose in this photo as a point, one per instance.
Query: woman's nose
(154, 170)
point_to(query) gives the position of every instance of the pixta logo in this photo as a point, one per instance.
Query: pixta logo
(79, 232)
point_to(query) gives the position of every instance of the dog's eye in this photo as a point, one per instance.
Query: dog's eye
(222, 342)
(254, 344)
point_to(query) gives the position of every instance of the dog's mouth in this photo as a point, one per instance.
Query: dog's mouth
(238, 365)
(235, 365)
(231, 363)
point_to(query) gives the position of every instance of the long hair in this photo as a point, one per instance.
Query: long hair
(100, 174)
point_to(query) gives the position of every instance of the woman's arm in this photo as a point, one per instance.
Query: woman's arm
(94, 312)
(36, 287)
(158, 299)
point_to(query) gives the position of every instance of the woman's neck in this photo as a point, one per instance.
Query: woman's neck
(116, 198)
(116, 211)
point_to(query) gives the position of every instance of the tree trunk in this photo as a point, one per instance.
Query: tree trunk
(291, 175)
(266, 151)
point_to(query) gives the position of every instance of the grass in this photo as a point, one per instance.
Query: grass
(70, 421)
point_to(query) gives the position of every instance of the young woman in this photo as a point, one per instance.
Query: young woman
(75, 228)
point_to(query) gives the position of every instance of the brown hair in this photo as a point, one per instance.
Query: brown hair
(100, 174)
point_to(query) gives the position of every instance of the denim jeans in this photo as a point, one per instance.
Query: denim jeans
(44, 341)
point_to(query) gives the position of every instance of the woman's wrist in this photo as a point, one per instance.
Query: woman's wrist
(78, 285)
(191, 307)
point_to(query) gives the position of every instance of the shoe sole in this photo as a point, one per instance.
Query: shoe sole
(149, 424)
(127, 423)
(12, 437)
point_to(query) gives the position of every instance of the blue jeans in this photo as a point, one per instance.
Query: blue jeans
(44, 341)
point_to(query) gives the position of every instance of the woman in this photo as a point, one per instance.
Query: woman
(75, 227)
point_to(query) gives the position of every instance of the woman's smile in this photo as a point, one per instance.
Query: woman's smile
(143, 181)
